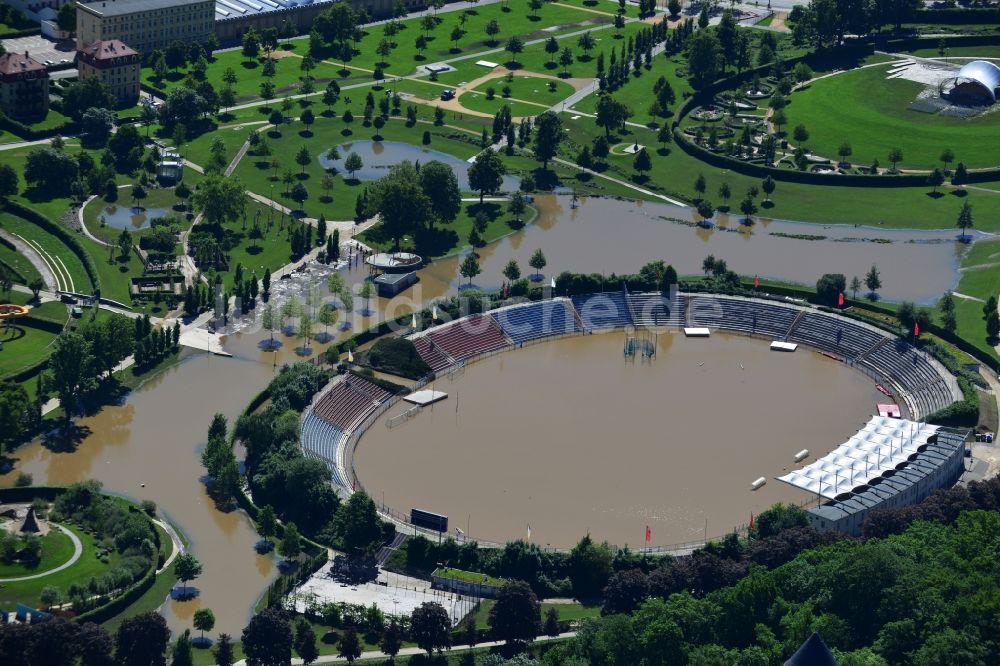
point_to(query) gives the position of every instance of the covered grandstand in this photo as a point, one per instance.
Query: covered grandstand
(916, 379)
(337, 412)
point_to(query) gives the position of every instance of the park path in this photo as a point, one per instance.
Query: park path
(77, 552)
(412, 651)
(32, 255)
(175, 539)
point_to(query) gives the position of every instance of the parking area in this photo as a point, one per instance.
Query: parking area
(43, 49)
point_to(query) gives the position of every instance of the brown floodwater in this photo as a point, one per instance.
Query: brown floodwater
(472, 464)
(149, 448)
(569, 438)
(610, 236)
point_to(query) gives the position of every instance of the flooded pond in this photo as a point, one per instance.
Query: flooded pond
(378, 156)
(604, 235)
(569, 438)
(129, 217)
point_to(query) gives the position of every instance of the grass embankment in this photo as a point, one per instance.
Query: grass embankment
(573, 612)
(63, 263)
(980, 280)
(468, 576)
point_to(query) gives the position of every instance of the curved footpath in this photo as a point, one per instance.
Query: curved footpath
(178, 545)
(412, 651)
(77, 552)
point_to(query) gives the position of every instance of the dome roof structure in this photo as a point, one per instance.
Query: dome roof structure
(980, 74)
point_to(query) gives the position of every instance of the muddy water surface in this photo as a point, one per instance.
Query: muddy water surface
(568, 437)
(149, 448)
(606, 236)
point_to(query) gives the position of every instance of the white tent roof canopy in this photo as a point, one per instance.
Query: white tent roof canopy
(879, 446)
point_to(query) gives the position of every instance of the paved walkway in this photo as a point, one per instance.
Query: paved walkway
(408, 652)
(36, 260)
(77, 552)
(178, 545)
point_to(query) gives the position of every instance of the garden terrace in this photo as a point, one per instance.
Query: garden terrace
(350, 401)
(602, 310)
(524, 323)
(462, 340)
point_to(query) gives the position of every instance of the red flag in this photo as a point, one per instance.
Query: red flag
(916, 329)
(756, 281)
(649, 534)
(840, 299)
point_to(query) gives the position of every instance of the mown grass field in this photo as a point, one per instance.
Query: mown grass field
(674, 174)
(869, 111)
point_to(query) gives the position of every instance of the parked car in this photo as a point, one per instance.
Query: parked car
(447, 95)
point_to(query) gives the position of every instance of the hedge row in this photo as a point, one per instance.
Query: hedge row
(62, 234)
(913, 43)
(957, 16)
(28, 493)
(961, 414)
(29, 133)
(121, 602)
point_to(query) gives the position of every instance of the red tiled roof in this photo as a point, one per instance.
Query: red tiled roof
(12, 64)
(108, 52)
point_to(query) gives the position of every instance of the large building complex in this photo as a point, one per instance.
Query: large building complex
(24, 86)
(116, 64)
(234, 17)
(145, 25)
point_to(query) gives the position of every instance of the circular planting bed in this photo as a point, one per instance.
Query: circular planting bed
(708, 114)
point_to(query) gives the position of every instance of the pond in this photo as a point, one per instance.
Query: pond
(129, 217)
(379, 156)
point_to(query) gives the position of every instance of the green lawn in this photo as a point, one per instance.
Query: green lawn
(567, 612)
(980, 279)
(57, 549)
(870, 112)
(23, 346)
(637, 93)
(83, 570)
(984, 51)
(468, 576)
(272, 251)
(476, 101)
(530, 88)
(156, 197)
(256, 174)
(674, 175)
